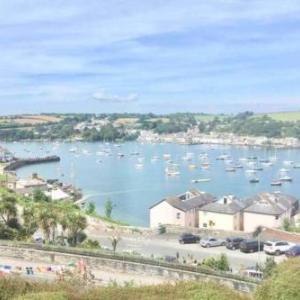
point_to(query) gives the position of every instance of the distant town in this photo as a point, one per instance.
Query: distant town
(249, 129)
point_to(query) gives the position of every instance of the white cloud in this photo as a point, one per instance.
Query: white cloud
(104, 97)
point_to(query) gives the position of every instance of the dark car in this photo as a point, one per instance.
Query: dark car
(247, 246)
(293, 252)
(234, 242)
(189, 238)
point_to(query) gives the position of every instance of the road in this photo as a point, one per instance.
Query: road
(158, 246)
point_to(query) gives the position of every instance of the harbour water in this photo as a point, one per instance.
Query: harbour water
(133, 175)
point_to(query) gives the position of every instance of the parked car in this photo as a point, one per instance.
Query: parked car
(293, 251)
(212, 242)
(277, 247)
(189, 238)
(233, 243)
(247, 246)
(253, 272)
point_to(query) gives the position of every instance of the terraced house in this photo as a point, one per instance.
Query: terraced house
(203, 210)
(179, 210)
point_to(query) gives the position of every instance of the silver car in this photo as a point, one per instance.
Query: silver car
(212, 242)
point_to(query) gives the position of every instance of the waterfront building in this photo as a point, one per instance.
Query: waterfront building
(179, 210)
(225, 214)
(269, 210)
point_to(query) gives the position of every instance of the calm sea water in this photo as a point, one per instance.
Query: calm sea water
(133, 190)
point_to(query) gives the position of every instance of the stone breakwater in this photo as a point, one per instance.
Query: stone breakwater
(21, 162)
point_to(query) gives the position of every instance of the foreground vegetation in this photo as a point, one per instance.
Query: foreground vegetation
(18, 289)
(283, 284)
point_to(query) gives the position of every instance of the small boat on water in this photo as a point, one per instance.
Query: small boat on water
(134, 153)
(167, 156)
(286, 178)
(288, 162)
(154, 159)
(296, 166)
(99, 161)
(254, 180)
(238, 166)
(230, 169)
(223, 157)
(252, 157)
(276, 183)
(172, 170)
(192, 166)
(139, 165)
(121, 155)
(250, 171)
(201, 180)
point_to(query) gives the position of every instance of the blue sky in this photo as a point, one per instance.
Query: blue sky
(221, 56)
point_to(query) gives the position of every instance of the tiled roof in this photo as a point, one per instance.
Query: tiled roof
(271, 203)
(230, 208)
(192, 203)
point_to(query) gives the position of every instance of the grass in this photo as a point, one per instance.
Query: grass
(292, 116)
(12, 288)
(207, 117)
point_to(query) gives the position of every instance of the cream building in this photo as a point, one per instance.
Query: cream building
(179, 210)
(225, 214)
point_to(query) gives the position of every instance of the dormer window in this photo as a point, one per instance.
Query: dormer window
(178, 216)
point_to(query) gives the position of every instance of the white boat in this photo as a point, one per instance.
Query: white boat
(154, 159)
(74, 149)
(99, 161)
(120, 155)
(172, 170)
(192, 166)
(286, 178)
(250, 171)
(139, 165)
(167, 156)
(201, 180)
(230, 169)
(288, 162)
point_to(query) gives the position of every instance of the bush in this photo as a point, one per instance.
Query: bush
(283, 284)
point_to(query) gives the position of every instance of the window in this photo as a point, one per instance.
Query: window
(205, 225)
(178, 215)
(276, 217)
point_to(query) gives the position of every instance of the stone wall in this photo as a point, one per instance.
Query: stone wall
(42, 256)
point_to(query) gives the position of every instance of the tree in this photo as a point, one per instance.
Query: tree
(222, 263)
(268, 267)
(286, 224)
(108, 206)
(283, 283)
(39, 196)
(76, 224)
(8, 208)
(91, 208)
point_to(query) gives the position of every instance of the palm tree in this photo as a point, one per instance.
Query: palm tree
(76, 224)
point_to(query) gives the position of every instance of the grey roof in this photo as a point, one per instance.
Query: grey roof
(195, 202)
(230, 208)
(271, 203)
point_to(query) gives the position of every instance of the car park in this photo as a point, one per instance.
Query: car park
(189, 238)
(293, 251)
(277, 247)
(249, 246)
(212, 242)
(233, 243)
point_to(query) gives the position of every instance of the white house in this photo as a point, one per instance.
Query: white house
(179, 210)
(269, 210)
